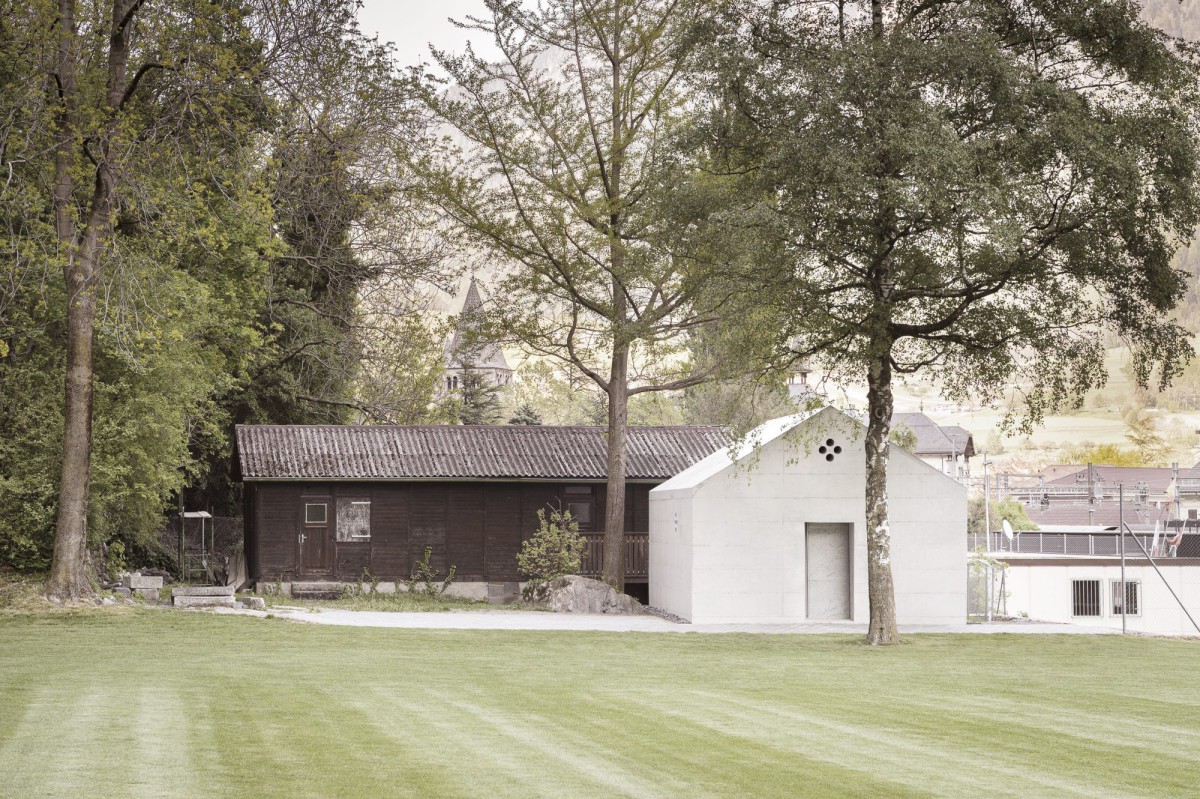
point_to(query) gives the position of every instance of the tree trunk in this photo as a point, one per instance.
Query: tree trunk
(613, 571)
(882, 628)
(68, 576)
(82, 259)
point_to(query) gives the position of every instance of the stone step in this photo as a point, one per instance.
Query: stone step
(316, 590)
(136, 581)
(203, 590)
(204, 601)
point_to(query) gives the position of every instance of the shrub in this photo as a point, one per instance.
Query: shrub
(554, 550)
(424, 574)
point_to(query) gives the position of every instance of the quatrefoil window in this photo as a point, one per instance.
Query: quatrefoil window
(829, 449)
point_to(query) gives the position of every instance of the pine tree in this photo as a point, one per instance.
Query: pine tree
(480, 399)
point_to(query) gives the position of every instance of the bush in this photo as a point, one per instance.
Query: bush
(554, 550)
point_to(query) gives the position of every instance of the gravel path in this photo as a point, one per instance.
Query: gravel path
(526, 620)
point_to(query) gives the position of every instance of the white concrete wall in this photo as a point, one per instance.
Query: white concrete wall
(671, 552)
(747, 531)
(1043, 592)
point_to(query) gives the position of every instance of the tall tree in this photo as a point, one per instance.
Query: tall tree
(560, 174)
(978, 191)
(128, 84)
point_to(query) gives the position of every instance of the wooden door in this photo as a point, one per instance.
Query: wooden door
(315, 540)
(828, 551)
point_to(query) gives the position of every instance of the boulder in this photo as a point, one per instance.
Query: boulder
(254, 603)
(121, 590)
(574, 594)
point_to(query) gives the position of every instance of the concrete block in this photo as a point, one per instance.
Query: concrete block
(204, 601)
(203, 590)
(148, 594)
(136, 581)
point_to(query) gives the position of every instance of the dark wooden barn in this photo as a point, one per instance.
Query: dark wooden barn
(328, 502)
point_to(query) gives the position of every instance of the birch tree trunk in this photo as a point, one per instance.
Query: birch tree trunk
(882, 626)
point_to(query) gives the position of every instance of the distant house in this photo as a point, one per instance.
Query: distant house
(1091, 496)
(464, 353)
(947, 448)
(775, 532)
(328, 502)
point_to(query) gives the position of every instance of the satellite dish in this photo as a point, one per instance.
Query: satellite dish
(1007, 528)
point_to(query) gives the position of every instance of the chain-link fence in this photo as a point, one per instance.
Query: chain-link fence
(203, 547)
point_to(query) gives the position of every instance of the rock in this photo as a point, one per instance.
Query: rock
(122, 591)
(254, 603)
(148, 594)
(108, 601)
(574, 594)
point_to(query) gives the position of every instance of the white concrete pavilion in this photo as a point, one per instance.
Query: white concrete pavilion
(774, 531)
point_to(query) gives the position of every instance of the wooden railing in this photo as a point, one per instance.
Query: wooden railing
(637, 555)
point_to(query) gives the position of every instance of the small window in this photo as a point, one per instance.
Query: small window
(315, 513)
(580, 490)
(1133, 597)
(1192, 513)
(582, 513)
(1085, 597)
(353, 519)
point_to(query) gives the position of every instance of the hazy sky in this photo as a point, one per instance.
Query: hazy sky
(413, 24)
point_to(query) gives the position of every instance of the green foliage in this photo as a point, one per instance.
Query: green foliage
(1009, 509)
(555, 549)
(904, 437)
(527, 415)
(425, 576)
(932, 200)
(1105, 454)
(479, 398)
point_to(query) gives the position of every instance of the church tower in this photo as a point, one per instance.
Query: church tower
(465, 353)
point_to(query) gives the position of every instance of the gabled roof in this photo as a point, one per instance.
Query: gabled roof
(480, 355)
(1157, 478)
(932, 438)
(726, 456)
(414, 452)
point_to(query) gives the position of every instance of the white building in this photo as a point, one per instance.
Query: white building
(1082, 589)
(775, 532)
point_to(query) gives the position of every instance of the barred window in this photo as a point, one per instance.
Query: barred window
(1085, 597)
(1133, 597)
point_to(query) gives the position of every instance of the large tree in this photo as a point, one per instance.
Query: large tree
(559, 174)
(132, 86)
(978, 191)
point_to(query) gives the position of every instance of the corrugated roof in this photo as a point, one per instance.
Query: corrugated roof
(408, 452)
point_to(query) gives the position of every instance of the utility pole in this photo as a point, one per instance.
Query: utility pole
(1121, 538)
(987, 525)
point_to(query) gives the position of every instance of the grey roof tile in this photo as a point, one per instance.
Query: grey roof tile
(405, 452)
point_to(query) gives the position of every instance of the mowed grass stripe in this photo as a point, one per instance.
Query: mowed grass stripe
(160, 703)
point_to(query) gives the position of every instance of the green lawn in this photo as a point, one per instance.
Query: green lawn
(130, 703)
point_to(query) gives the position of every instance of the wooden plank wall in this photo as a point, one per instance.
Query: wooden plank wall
(478, 527)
